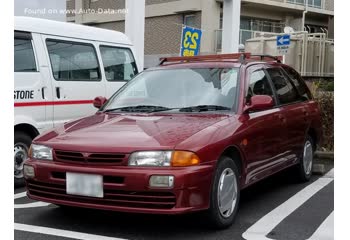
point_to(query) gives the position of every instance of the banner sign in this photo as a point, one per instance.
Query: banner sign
(190, 42)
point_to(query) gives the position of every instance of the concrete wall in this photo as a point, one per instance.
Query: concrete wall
(150, 2)
(105, 4)
(70, 6)
(329, 5)
(117, 26)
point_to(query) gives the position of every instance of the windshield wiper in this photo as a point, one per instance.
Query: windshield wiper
(202, 108)
(140, 108)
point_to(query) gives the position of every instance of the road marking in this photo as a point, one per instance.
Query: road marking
(325, 230)
(32, 205)
(29, 205)
(265, 225)
(61, 233)
(20, 195)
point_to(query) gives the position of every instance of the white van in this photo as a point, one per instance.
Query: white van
(59, 69)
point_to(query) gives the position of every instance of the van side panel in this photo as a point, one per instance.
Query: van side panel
(32, 89)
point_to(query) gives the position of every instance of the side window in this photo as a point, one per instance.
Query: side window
(24, 55)
(298, 83)
(286, 93)
(72, 61)
(258, 84)
(119, 63)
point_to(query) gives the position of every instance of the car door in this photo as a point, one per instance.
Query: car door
(292, 108)
(304, 101)
(119, 66)
(77, 77)
(264, 130)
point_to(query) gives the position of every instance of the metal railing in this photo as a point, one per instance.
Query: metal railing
(244, 35)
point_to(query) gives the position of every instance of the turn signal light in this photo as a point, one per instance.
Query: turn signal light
(184, 159)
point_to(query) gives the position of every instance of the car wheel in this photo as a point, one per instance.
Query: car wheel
(225, 194)
(21, 146)
(306, 160)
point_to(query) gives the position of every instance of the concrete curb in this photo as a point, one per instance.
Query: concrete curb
(324, 155)
(324, 161)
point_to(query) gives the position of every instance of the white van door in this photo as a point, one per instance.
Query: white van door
(30, 86)
(119, 66)
(76, 75)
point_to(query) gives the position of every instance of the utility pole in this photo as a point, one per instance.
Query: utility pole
(135, 27)
(230, 28)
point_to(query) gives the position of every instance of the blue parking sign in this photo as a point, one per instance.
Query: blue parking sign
(190, 42)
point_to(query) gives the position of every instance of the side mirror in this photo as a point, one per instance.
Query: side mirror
(99, 101)
(259, 103)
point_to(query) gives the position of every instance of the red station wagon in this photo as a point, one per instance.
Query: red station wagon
(185, 136)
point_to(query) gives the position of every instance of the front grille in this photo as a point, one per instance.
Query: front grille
(92, 158)
(118, 198)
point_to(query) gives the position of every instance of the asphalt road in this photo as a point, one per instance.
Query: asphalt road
(276, 208)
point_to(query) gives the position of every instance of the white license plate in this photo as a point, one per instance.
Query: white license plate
(89, 185)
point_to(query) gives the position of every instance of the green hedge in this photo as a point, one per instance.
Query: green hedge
(324, 95)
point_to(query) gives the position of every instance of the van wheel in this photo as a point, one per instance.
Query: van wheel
(306, 160)
(21, 147)
(225, 194)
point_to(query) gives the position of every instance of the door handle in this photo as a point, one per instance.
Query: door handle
(281, 117)
(58, 92)
(306, 113)
(43, 92)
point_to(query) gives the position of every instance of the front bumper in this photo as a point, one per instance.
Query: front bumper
(126, 189)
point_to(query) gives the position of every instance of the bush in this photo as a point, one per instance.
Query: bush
(325, 100)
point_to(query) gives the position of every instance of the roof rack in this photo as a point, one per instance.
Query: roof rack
(231, 56)
(262, 56)
(241, 57)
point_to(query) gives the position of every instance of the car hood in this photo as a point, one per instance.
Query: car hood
(127, 132)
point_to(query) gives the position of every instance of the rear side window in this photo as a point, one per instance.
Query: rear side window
(298, 83)
(119, 63)
(72, 61)
(24, 55)
(286, 93)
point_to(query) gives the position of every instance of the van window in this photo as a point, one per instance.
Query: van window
(119, 63)
(72, 61)
(24, 56)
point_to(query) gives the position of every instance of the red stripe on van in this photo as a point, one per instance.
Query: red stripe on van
(45, 103)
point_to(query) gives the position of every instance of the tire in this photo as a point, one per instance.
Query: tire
(217, 216)
(21, 146)
(305, 165)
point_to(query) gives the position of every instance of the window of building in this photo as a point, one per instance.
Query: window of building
(73, 61)
(310, 3)
(190, 20)
(286, 93)
(119, 63)
(24, 56)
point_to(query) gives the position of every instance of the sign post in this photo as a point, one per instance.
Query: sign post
(190, 41)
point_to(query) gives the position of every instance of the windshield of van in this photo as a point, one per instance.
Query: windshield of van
(196, 89)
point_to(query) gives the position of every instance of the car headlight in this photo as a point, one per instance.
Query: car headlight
(163, 159)
(40, 152)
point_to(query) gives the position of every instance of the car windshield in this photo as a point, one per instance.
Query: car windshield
(194, 89)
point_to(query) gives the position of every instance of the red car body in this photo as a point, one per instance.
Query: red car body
(262, 143)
